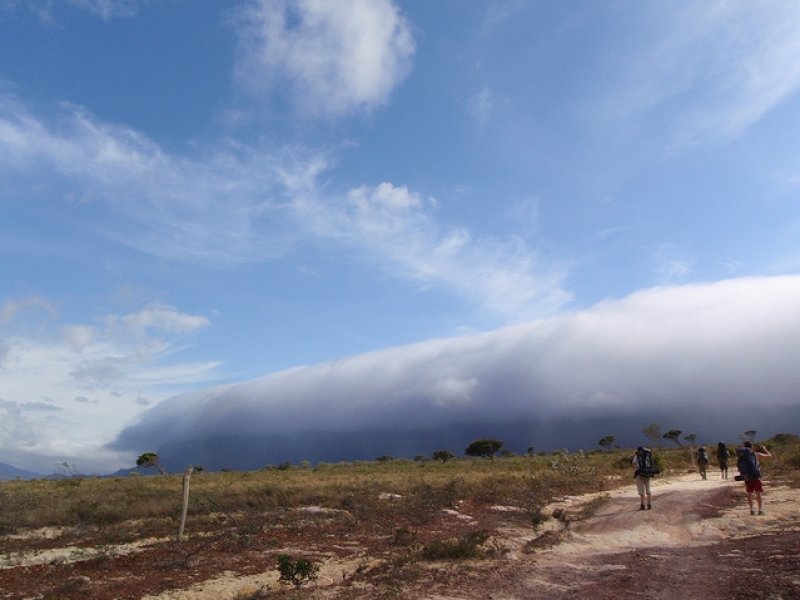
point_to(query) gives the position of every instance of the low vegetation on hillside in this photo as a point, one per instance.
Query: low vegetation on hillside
(418, 488)
(396, 515)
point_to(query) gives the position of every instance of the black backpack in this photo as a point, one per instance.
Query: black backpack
(747, 463)
(702, 457)
(645, 465)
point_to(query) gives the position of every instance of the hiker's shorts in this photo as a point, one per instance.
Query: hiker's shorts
(643, 485)
(753, 485)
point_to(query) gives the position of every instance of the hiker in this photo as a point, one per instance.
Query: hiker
(722, 459)
(702, 461)
(750, 472)
(644, 470)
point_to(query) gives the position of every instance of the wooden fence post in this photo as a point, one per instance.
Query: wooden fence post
(186, 476)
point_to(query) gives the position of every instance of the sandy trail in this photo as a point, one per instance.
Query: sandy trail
(689, 545)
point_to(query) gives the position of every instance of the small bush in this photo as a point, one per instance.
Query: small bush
(296, 571)
(467, 546)
(404, 536)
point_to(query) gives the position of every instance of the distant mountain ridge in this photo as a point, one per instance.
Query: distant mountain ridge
(9, 472)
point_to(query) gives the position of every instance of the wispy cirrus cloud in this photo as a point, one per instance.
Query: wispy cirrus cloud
(334, 58)
(710, 70)
(244, 204)
(399, 228)
(109, 9)
(45, 10)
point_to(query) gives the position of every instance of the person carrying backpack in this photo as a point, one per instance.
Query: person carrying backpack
(644, 470)
(750, 472)
(702, 461)
(722, 459)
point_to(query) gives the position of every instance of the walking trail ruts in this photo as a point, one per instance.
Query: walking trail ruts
(698, 542)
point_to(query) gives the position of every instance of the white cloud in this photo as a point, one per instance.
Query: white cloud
(242, 205)
(215, 208)
(399, 230)
(78, 336)
(68, 387)
(336, 57)
(710, 70)
(705, 351)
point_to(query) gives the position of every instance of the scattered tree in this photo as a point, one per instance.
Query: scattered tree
(443, 455)
(653, 433)
(530, 451)
(749, 435)
(485, 448)
(673, 435)
(150, 459)
(606, 442)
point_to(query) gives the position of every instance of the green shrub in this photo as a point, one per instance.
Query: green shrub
(296, 571)
(467, 546)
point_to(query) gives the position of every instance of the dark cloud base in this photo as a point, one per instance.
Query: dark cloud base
(250, 452)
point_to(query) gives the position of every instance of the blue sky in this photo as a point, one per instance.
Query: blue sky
(201, 193)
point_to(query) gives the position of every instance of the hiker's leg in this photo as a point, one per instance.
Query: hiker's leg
(750, 500)
(758, 500)
(647, 490)
(640, 488)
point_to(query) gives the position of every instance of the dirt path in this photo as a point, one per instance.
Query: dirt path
(698, 542)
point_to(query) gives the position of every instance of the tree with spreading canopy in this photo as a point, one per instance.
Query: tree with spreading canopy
(442, 455)
(606, 441)
(673, 435)
(150, 459)
(485, 448)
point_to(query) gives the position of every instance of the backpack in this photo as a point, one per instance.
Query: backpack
(645, 465)
(702, 457)
(747, 463)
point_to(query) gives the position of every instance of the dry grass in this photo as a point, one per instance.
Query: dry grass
(144, 505)
(124, 509)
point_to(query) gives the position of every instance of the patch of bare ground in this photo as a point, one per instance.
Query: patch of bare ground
(698, 541)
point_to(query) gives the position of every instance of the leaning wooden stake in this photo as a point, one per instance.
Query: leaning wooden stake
(186, 476)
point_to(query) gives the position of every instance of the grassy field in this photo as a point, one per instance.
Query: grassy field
(124, 508)
(372, 529)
